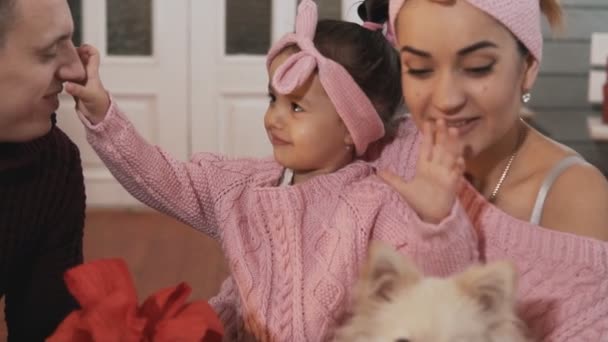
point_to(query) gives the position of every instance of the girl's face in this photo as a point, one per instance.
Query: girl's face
(461, 65)
(306, 132)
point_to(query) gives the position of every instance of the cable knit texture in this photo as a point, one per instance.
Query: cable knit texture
(293, 251)
(563, 278)
(42, 203)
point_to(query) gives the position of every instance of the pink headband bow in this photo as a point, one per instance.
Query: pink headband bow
(522, 17)
(354, 107)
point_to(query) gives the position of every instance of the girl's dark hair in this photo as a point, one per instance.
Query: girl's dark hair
(374, 11)
(370, 60)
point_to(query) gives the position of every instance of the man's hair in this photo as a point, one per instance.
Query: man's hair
(7, 18)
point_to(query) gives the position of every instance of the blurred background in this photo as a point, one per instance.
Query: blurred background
(191, 76)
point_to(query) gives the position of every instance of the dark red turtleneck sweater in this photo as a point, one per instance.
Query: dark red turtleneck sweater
(42, 203)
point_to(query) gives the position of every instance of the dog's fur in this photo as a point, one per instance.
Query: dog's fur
(395, 303)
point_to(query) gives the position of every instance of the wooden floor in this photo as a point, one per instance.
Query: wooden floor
(160, 252)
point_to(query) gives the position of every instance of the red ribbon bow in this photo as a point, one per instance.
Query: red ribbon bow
(110, 311)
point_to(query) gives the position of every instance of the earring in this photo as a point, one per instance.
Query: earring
(526, 97)
(348, 147)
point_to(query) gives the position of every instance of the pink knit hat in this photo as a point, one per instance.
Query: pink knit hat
(522, 17)
(354, 107)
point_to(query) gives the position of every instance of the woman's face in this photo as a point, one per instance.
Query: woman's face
(462, 65)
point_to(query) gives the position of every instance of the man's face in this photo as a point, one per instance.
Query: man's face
(37, 57)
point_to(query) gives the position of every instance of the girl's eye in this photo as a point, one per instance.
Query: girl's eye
(296, 108)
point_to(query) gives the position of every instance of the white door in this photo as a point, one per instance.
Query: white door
(229, 82)
(145, 52)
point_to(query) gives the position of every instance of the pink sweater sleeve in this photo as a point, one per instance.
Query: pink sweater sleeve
(187, 191)
(563, 285)
(438, 249)
(563, 278)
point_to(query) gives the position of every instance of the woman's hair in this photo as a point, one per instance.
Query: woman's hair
(553, 12)
(370, 60)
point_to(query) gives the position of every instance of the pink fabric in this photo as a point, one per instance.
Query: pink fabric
(372, 26)
(293, 251)
(563, 278)
(521, 17)
(356, 110)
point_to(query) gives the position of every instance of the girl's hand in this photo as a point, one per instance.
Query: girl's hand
(433, 190)
(92, 100)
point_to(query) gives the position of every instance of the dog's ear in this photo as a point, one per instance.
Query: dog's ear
(492, 286)
(385, 272)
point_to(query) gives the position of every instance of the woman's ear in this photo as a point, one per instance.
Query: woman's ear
(531, 69)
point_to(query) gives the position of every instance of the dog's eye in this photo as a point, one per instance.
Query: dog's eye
(402, 340)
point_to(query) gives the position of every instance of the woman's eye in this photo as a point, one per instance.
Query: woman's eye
(419, 72)
(481, 70)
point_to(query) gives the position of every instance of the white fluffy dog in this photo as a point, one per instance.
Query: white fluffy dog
(395, 303)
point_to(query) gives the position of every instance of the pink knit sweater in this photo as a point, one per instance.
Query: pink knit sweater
(293, 251)
(563, 285)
